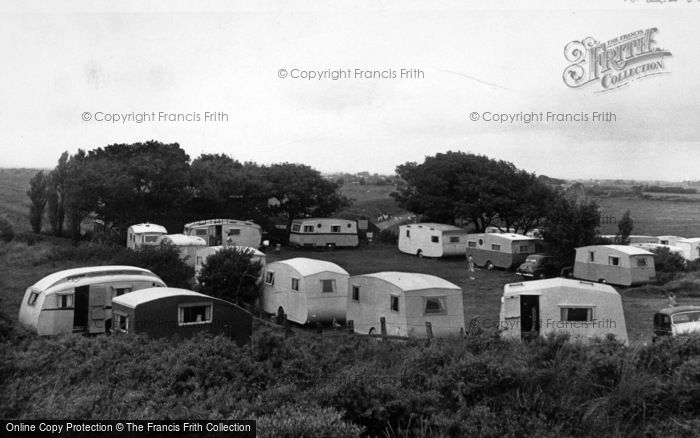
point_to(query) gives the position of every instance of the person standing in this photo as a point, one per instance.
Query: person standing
(470, 266)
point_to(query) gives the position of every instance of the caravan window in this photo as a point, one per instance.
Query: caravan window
(394, 303)
(328, 286)
(189, 314)
(434, 239)
(296, 227)
(200, 232)
(234, 232)
(335, 228)
(641, 261)
(434, 306)
(118, 291)
(577, 314)
(524, 248)
(408, 233)
(680, 318)
(308, 228)
(121, 322)
(32, 298)
(454, 239)
(295, 284)
(591, 256)
(270, 278)
(471, 244)
(356, 293)
(150, 239)
(615, 261)
(64, 300)
(495, 247)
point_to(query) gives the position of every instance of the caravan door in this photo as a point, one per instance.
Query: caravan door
(97, 314)
(529, 316)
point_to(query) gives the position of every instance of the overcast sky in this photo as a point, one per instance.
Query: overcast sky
(61, 61)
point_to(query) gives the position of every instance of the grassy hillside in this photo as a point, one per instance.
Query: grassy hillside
(653, 217)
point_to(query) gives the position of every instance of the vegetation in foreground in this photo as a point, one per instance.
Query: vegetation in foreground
(303, 385)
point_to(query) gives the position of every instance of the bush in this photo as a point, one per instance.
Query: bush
(7, 233)
(231, 274)
(163, 260)
(667, 264)
(388, 236)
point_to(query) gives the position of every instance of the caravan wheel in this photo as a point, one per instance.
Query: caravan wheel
(489, 266)
(420, 253)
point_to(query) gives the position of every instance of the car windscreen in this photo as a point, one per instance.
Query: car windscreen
(685, 317)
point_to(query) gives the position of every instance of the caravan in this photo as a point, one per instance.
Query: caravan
(143, 234)
(500, 250)
(306, 290)
(80, 300)
(406, 301)
(432, 240)
(226, 232)
(615, 264)
(168, 311)
(324, 232)
(582, 309)
(186, 245)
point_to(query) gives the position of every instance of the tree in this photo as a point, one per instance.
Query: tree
(570, 225)
(302, 192)
(624, 229)
(231, 274)
(38, 190)
(56, 196)
(163, 260)
(475, 188)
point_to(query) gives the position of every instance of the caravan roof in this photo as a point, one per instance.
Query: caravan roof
(312, 266)
(436, 226)
(513, 236)
(133, 299)
(532, 287)
(207, 222)
(629, 250)
(184, 240)
(148, 228)
(92, 271)
(410, 281)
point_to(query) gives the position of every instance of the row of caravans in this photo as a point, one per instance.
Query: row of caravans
(490, 249)
(133, 300)
(308, 291)
(104, 299)
(687, 247)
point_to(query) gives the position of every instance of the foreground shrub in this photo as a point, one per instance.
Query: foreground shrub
(306, 421)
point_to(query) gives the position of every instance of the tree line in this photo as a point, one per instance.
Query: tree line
(123, 184)
(464, 188)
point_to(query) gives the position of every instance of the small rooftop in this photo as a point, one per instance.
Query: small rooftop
(148, 228)
(133, 299)
(629, 250)
(306, 266)
(183, 240)
(436, 226)
(551, 285)
(411, 281)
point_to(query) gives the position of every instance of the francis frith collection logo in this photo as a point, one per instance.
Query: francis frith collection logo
(614, 63)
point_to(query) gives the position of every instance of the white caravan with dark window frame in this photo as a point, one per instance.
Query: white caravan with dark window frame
(144, 234)
(500, 250)
(306, 290)
(432, 240)
(582, 309)
(324, 232)
(406, 301)
(80, 300)
(615, 264)
(226, 232)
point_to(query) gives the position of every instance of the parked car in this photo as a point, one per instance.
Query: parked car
(674, 321)
(539, 266)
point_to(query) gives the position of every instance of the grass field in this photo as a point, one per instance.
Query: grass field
(653, 217)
